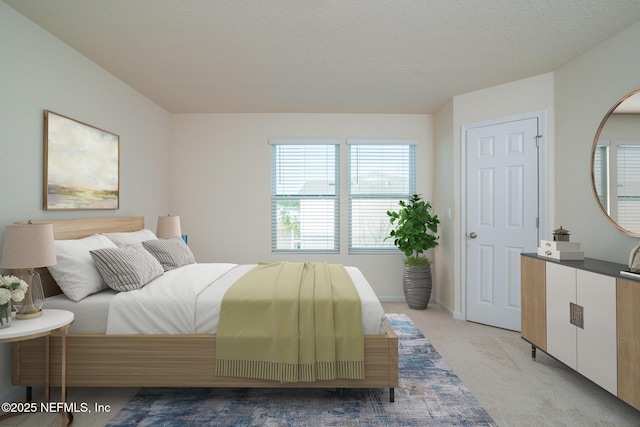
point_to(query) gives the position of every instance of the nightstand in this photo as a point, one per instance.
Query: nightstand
(51, 322)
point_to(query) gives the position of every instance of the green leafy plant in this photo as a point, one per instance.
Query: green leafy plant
(415, 229)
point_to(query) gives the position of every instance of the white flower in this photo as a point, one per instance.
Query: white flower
(5, 296)
(12, 283)
(9, 280)
(17, 295)
(12, 288)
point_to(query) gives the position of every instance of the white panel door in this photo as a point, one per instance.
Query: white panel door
(502, 212)
(597, 342)
(561, 334)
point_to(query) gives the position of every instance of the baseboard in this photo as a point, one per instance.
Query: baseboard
(458, 316)
(455, 314)
(391, 299)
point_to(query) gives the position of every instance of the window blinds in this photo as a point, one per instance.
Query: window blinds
(628, 186)
(381, 172)
(305, 194)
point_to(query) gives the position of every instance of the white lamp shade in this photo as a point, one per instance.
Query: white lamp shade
(28, 246)
(168, 226)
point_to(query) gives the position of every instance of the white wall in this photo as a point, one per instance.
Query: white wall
(221, 165)
(220, 162)
(586, 89)
(39, 72)
(575, 97)
(519, 97)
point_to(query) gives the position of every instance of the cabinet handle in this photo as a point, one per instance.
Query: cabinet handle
(576, 315)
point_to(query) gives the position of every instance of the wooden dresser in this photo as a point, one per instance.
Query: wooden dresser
(586, 315)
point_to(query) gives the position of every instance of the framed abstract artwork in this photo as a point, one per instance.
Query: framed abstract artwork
(81, 165)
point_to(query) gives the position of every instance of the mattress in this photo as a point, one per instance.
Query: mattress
(184, 300)
(90, 313)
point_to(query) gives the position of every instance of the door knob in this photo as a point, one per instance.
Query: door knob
(473, 235)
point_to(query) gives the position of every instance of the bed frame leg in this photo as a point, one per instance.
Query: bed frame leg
(392, 397)
(29, 394)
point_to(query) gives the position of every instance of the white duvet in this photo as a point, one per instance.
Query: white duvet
(187, 300)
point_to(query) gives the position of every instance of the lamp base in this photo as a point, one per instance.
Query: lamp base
(31, 305)
(33, 315)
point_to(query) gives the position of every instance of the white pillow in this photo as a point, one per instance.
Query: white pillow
(132, 238)
(76, 273)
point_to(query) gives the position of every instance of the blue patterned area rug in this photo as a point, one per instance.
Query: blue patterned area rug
(430, 394)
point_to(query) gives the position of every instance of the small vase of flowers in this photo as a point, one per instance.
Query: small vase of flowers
(12, 288)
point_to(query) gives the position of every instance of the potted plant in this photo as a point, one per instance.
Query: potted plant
(414, 233)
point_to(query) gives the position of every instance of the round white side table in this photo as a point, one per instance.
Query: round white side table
(51, 322)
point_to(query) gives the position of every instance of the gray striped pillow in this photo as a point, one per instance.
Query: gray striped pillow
(172, 253)
(125, 269)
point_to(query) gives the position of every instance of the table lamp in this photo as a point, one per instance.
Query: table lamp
(26, 247)
(168, 226)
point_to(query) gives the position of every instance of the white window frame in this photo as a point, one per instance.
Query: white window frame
(601, 171)
(275, 198)
(623, 207)
(387, 246)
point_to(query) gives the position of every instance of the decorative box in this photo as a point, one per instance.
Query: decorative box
(560, 246)
(561, 255)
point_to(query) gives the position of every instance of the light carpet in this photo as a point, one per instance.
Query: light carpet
(429, 394)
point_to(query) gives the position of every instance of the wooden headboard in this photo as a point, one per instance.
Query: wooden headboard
(77, 229)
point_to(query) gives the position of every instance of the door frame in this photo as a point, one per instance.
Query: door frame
(543, 224)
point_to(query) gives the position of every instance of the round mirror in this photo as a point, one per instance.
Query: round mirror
(615, 164)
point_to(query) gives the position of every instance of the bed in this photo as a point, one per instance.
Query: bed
(96, 358)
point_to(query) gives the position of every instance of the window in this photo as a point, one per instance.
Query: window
(601, 174)
(381, 172)
(616, 176)
(628, 188)
(305, 194)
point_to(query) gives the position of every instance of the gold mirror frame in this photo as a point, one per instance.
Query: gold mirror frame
(603, 209)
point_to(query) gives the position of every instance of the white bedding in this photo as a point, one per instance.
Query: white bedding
(90, 313)
(186, 300)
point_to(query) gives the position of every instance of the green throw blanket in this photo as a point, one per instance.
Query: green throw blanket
(291, 322)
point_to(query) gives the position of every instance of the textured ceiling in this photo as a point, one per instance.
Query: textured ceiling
(326, 56)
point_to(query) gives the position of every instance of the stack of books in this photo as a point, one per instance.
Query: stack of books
(561, 251)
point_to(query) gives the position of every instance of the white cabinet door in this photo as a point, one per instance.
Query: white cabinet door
(561, 334)
(597, 342)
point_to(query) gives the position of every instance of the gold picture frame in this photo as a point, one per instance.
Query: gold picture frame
(81, 165)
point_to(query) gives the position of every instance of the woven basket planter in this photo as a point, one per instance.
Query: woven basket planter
(417, 284)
